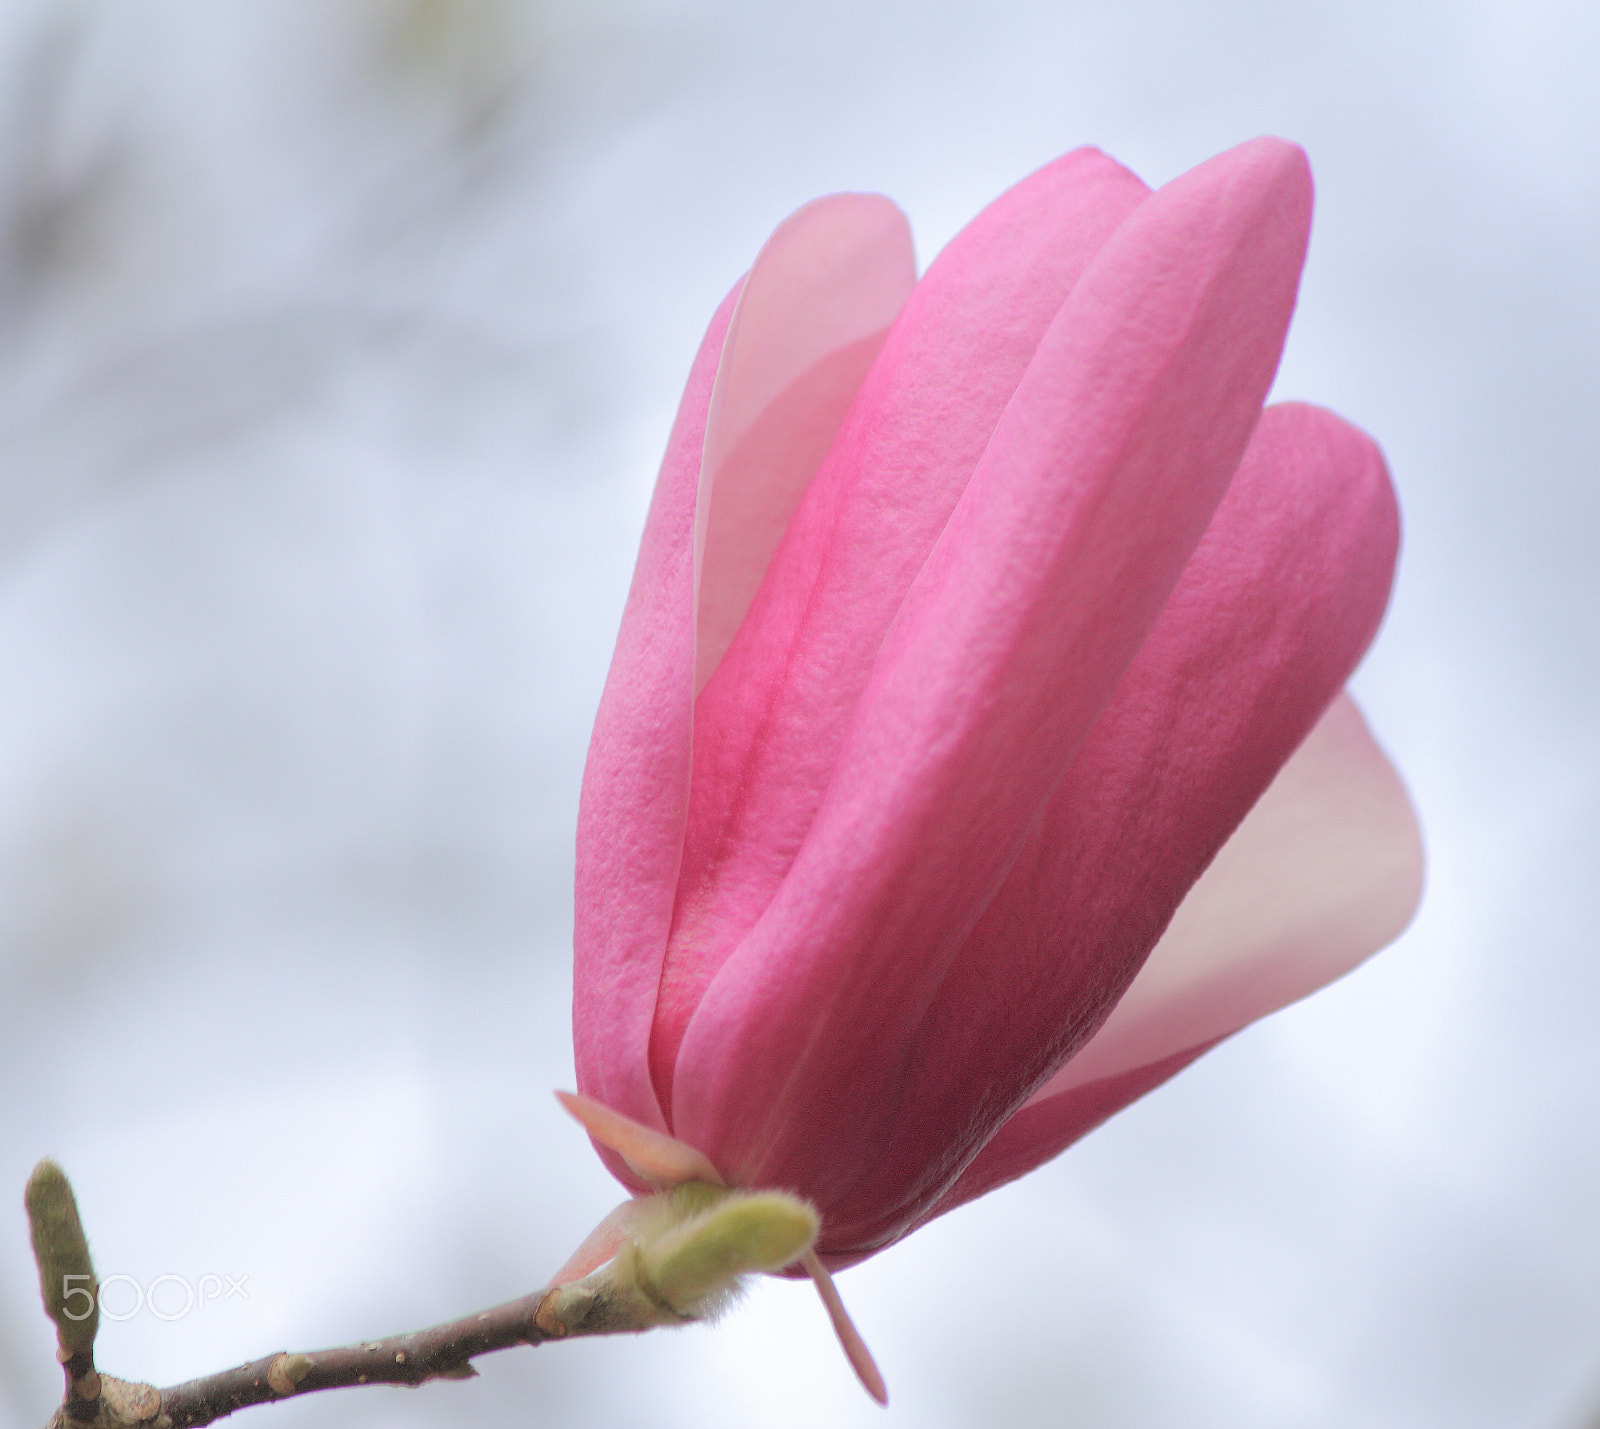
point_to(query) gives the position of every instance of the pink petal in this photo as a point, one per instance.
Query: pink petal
(1092, 493)
(769, 722)
(1326, 870)
(636, 781)
(813, 314)
(1277, 605)
(1039, 1131)
(765, 397)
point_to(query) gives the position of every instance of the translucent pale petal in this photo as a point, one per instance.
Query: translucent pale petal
(1326, 870)
(813, 313)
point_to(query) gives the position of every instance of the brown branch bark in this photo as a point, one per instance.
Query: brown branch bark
(598, 1305)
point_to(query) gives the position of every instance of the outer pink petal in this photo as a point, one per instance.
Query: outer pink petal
(1090, 498)
(1277, 605)
(770, 385)
(770, 721)
(636, 782)
(1030, 1138)
(1326, 870)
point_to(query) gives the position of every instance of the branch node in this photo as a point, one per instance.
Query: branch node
(125, 1404)
(87, 1386)
(563, 1310)
(285, 1373)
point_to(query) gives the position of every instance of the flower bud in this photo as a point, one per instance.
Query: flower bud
(66, 1274)
(692, 1266)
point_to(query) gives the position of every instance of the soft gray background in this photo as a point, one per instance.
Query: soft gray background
(339, 344)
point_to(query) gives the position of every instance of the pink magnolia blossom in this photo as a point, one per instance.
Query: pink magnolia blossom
(974, 755)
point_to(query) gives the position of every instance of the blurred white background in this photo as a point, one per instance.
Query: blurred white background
(338, 344)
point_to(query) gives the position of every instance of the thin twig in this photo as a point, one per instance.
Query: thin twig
(589, 1307)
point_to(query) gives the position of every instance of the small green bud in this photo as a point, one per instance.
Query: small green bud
(66, 1274)
(692, 1265)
